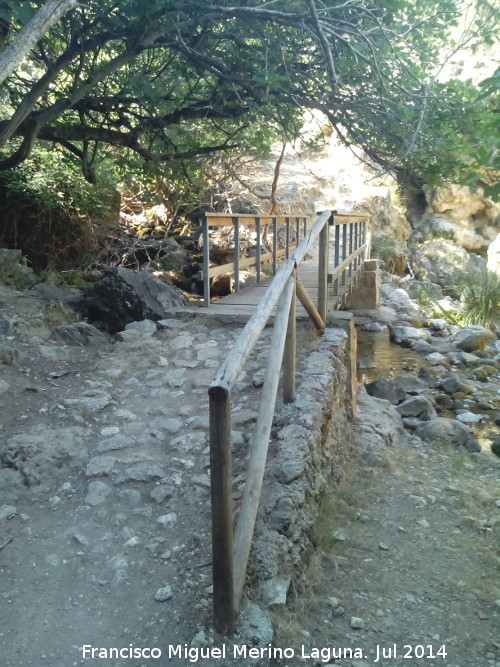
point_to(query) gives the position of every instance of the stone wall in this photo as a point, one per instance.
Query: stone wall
(310, 445)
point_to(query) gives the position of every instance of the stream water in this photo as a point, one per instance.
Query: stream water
(379, 358)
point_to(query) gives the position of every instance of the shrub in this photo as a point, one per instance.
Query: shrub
(50, 212)
(480, 299)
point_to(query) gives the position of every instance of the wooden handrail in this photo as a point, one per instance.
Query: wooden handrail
(230, 557)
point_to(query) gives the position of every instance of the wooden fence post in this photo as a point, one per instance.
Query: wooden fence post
(236, 260)
(222, 509)
(257, 257)
(323, 272)
(206, 263)
(289, 356)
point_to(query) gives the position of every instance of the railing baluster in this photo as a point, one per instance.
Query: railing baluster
(336, 262)
(323, 272)
(257, 257)
(344, 255)
(206, 263)
(236, 223)
(275, 245)
(351, 241)
(289, 356)
(287, 242)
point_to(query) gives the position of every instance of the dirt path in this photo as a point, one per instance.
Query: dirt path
(408, 551)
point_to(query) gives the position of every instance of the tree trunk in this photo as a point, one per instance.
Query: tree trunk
(34, 30)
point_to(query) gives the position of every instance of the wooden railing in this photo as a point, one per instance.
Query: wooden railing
(259, 222)
(230, 553)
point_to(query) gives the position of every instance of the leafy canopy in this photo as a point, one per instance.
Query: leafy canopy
(170, 81)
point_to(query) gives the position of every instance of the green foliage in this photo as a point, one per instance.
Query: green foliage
(50, 211)
(384, 248)
(480, 299)
(436, 233)
(171, 82)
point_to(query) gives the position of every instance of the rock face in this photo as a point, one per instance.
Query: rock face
(465, 213)
(124, 296)
(443, 262)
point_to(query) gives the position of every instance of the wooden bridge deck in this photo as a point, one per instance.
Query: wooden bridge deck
(242, 304)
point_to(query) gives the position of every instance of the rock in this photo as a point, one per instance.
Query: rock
(167, 520)
(275, 590)
(424, 348)
(436, 358)
(442, 400)
(40, 453)
(145, 327)
(79, 333)
(290, 470)
(497, 420)
(163, 594)
(450, 385)
(444, 432)
(97, 493)
(417, 406)
(483, 373)
(140, 472)
(386, 389)
(472, 338)
(409, 384)
(438, 325)
(93, 400)
(124, 296)
(7, 511)
(100, 465)
(4, 387)
(162, 492)
(407, 336)
(495, 447)
(6, 326)
(12, 268)
(255, 626)
(469, 418)
(357, 623)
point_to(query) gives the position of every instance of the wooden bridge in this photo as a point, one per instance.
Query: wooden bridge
(319, 283)
(338, 252)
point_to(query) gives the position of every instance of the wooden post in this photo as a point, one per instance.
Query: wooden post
(308, 304)
(344, 255)
(336, 262)
(206, 263)
(275, 244)
(287, 242)
(351, 232)
(289, 356)
(221, 480)
(259, 445)
(257, 257)
(323, 273)
(236, 260)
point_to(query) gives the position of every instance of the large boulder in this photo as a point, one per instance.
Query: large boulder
(443, 262)
(472, 338)
(446, 432)
(124, 295)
